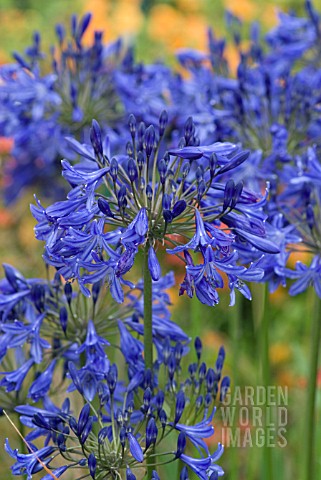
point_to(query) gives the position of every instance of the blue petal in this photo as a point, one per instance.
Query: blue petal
(260, 243)
(153, 264)
(135, 448)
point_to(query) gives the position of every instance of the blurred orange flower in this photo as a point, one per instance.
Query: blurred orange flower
(6, 218)
(299, 256)
(280, 353)
(246, 9)
(176, 29)
(122, 18)
(279, 295)
(6, 145)
(212, 340)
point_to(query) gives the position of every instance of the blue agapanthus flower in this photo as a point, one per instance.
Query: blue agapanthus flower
(300, 200)
(269, 106)
(118, 429)
(150, 197)
(38, 109)
(296, 38)
(45, 324)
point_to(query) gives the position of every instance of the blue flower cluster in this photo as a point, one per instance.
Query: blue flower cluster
(180, 197)
(112, 435)
(34, 310)
(41, 104)
(272, 107)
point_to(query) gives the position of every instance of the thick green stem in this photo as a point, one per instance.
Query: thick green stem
(148, 333)
(262, 318)
(311, 393)
(235, 320)
(148, 313)
(265, 339)
(180, 465)
(266, 377)
(195, 315)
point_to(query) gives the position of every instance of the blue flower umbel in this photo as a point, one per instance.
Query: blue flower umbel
(124, 427)
(45, 324)
(39, 108)
(149, 197)
(297, 38)
(301, 202)
(45, 97)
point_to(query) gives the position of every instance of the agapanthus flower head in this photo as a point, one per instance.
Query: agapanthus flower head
(117, 430)
(81, 79)
(297, 38)
(46, 323)
(183, 197)
(271, 106)
(40, 108)
(300, 200)
(268, 106)
(47, 97)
